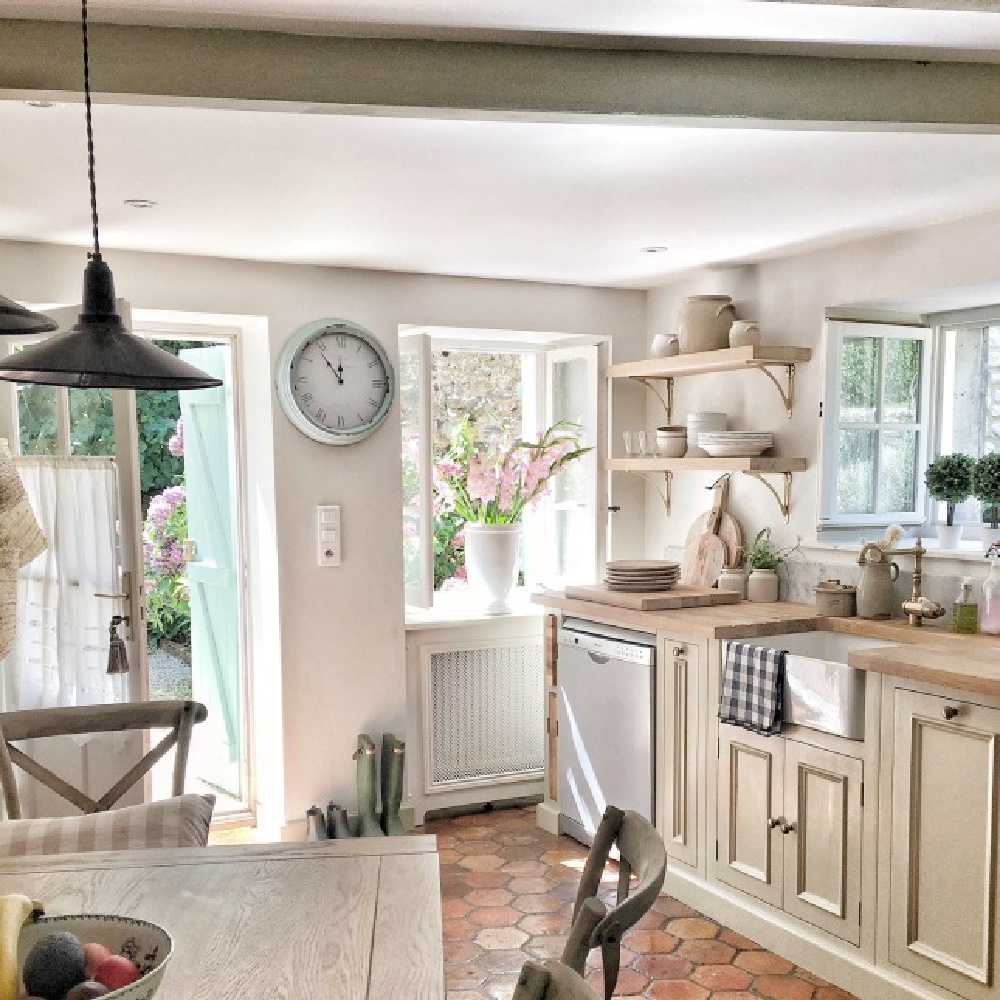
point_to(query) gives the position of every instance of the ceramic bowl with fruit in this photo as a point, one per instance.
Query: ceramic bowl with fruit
(79, 957)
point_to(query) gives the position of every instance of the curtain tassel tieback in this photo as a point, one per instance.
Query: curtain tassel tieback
(117, 656)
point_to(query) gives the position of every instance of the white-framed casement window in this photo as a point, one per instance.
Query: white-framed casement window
(876, 417)
(513, 383)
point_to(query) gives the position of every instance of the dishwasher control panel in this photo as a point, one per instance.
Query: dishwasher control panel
(641, 649)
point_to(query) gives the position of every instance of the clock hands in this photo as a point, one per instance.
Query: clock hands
(338, 371)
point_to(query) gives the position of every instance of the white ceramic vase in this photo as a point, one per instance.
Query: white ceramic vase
(949, 535)
(762, 586)
(491, 563)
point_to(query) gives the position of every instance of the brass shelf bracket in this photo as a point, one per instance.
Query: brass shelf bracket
(666, 397)
(668, 480)
(784, 503)
(787, 396)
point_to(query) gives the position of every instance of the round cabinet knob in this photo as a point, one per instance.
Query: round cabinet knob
(950, 711)
(787, 827)
(774, 821)
(680, 650)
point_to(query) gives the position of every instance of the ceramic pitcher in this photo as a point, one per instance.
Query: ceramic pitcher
(875, 592)
(704, 322)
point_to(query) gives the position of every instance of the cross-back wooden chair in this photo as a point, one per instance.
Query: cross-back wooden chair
(641, 851)
(551, 980)
(30, 724)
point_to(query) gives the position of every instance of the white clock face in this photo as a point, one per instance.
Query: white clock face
(335, 382)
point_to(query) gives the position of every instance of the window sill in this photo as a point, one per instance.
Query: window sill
(968, 551)
(458, 608)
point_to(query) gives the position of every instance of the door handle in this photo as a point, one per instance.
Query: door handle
(774, 821)
(788, 827)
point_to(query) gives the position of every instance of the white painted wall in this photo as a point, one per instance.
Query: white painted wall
(789, 298)
(342, 664)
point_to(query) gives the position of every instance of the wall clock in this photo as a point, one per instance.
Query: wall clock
(335, 381)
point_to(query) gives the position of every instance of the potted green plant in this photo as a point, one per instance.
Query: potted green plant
(949, 480)
(986, 488)
(763, 557)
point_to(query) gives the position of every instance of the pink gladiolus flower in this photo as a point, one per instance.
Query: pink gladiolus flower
(482, 480)
(510, 480)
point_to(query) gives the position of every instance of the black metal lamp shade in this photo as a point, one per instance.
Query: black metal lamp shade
(16, 319)
(99, 353)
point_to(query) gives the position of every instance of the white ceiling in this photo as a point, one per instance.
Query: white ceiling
(544, 201)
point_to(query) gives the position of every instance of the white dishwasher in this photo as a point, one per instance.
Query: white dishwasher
(607, 698)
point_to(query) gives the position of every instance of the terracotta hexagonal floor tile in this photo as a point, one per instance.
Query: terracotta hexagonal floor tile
(546, 946)
(763, 963)
(726, 995)
(483, 880)
(476, 847)
(673, 908)
(663, 966)
(457, 930)
(515, 839)
(707, 952)
(526, 868)
(738, 940)
(693, 927)
(650, 942)
(481, 862)
(630, 983)
(783, 988)
(463, 977)
(537, 903)
(526, 884)
(449, 856)
(458, 951)
(678, 989)
(494, 916)
(649, 921)
(625, 958)
(488, 897)
(544, 923)
(452, 909)
(500, 987)
(498, 961)
(721, 977)
(500, 938)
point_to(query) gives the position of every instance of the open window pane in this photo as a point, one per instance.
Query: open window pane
(38, 419)
(859, 380)
(901, 400)
(414, 408)
(856, 472)
(898, 471)
(91, 422)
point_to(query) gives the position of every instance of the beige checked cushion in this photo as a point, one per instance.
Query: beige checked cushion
(181, 821)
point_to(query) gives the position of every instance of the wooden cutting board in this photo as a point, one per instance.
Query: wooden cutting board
(729, 531)
(664, 600)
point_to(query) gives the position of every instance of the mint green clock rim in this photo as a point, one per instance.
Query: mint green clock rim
(296, 343)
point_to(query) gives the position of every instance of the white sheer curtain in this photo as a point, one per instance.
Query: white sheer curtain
(61, 650)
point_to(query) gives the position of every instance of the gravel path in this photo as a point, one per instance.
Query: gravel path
(169, 676)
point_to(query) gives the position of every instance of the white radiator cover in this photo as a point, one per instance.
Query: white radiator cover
(484, 715)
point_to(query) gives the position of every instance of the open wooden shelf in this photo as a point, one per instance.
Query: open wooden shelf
(730, 359)
(658, 464)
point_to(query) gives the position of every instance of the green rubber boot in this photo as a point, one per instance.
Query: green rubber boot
(393, 758)
(367, 819)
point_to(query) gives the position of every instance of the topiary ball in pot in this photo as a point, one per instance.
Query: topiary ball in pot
(949, 479)
(986, 486)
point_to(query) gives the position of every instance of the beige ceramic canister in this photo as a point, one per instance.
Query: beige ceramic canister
(835, 599)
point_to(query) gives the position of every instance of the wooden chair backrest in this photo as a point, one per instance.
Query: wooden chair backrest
(178, 716)
(641, 852)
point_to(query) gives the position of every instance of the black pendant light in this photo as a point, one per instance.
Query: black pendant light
(17, 319)
(98, 352)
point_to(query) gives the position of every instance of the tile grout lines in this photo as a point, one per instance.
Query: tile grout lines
(507, 895)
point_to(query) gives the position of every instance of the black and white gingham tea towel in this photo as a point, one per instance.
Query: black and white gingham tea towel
(752, 680)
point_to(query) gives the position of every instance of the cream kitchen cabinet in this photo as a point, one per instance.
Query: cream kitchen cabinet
(680, 789)
(789, 828)
(943, 895)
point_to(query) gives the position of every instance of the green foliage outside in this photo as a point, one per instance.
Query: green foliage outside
(949, 479)
(986, 486)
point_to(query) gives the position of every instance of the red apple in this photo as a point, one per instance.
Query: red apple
(93, 955)
(116, 972)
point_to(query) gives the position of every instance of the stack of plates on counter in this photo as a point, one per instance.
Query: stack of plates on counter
(734, 444)
(642, 575)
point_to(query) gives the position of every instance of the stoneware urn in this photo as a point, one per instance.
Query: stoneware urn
(762, 586)
(491, 563)
(704, 322)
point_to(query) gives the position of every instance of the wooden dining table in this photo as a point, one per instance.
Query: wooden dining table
(352, 919)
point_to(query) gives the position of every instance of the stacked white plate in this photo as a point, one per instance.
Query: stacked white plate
(642, 575)
(701, 422)
(735, 444)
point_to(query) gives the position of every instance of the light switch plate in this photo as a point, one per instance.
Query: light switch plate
(329, 538)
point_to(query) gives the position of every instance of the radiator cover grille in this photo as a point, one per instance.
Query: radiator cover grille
(485, 714)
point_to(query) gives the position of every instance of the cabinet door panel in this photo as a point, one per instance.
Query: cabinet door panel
(749, 799)
(680, 784)
(822, 850)
(942, 920)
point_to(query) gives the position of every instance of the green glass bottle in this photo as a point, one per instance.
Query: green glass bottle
(966, 610)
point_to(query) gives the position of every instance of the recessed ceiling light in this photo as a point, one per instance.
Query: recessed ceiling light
(40, 104)
(140, 203)
(655, 249)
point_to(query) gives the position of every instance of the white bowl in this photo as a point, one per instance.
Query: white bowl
(671, 445)
(146, 944)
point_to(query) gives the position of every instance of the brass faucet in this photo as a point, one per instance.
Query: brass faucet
(918, 608)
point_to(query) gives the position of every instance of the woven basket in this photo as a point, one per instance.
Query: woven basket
(9, 563)
(19, 528)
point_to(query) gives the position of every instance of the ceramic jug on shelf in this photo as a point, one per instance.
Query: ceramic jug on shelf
(875, 596)
(704, 322)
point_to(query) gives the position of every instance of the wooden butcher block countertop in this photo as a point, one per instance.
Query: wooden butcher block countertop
(932, 654)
